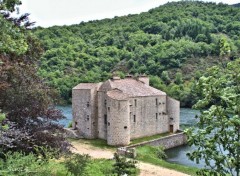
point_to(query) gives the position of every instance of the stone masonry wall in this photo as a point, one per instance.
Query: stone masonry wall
(148, 116)
(84, 105)
(173, 111)
(102, 111)
(82, 111)
(118, 126)
(167, 142)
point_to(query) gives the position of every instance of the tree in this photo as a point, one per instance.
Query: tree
(218, 134)
(25, 99)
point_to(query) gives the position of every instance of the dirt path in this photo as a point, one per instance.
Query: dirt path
(145, 168)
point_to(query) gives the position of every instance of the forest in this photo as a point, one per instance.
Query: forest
(173, 44)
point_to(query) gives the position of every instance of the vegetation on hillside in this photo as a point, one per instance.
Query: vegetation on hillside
(173, 43)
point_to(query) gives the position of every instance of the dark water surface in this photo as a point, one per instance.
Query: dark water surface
(176, 155)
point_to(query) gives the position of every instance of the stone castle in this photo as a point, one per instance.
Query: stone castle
(119, 110)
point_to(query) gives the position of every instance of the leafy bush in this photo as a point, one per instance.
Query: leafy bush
(19, 164)
(123, 166)
(160, 152)
(76, 164)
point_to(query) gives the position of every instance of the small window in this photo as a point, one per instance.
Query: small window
(156, 115)
(87, 118)
(156, 101)
(105, 102)
(88, 104)
(135, 102)
(134, 118)
(108, 108)
(105, 119)
(125, 127)
(108, 124)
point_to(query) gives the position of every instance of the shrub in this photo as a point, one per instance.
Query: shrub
(123, 166)
(160, 152)
(76, 164)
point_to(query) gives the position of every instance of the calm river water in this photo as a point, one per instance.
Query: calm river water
(176, 155)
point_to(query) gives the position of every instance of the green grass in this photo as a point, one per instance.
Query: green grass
(148, 138)
(99, 167)
(148, 154)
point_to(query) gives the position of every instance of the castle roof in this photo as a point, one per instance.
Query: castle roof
(117, 94)
(86, 86)
(132, 88)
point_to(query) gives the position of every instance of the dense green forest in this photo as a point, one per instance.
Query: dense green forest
(173, 43)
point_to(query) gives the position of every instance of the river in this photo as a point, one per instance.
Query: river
(176, 155)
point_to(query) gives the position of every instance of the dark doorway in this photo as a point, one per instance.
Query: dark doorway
(171, 128)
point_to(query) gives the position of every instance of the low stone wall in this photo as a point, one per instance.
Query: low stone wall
(167, 142)
(124, 151)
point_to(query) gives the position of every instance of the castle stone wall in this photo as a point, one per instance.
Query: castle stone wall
(102, 113)
(167, 142)
(118, 125)
(82, 112)
(173, 110)
(148, 116)
(84, 105)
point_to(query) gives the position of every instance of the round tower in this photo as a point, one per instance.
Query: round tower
(118, 122)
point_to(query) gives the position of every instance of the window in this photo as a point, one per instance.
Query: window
(125, 127)
(105, 119)
(156, 101)
(108, 124)
(108, 108)
(105, 102)
(88, 104)
(156, 115)
(135, 102)
(134, 118)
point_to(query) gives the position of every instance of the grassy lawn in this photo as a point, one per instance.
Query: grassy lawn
(148, 154)
(148, 138)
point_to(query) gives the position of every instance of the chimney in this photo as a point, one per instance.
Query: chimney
(144, 79)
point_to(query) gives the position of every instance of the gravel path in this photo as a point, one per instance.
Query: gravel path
(146, 169)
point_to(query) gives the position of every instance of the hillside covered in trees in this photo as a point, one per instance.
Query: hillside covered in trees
(173, 43)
